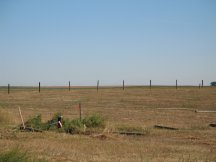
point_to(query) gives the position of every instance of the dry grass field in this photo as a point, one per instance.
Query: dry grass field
(134, 107)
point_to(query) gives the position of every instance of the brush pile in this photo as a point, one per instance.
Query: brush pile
(87, 125)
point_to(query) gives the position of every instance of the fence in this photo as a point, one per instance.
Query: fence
(98, 86)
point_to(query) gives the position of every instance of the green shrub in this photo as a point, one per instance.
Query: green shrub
(94, 121)
(74, 126)
(51, 124)
(36, 123)
(69, 126)
(87, 124)
(55, 116)
(77, 123)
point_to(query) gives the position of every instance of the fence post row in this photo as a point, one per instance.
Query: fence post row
(123, 86)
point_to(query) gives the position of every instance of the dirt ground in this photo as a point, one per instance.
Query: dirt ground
(185, 109)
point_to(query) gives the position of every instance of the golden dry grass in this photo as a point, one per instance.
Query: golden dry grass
(136, 106)
(6, 117)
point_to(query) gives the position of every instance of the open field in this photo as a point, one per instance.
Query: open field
(135, 106)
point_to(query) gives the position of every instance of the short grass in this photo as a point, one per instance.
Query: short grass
(15, 155)
(6, 117)
(134, 109)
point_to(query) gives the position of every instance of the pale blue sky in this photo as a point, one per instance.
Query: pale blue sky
(54, 41)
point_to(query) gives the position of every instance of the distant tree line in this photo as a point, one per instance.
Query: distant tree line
(213, 83)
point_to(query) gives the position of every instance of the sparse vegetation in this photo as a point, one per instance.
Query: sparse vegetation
(94, 121)
(89, 123)
(16, 155)
(73, 126)
(36, 123)
(134, 109)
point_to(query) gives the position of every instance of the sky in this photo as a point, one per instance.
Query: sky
(56, 41)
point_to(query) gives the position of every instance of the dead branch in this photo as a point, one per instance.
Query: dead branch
(165, 127)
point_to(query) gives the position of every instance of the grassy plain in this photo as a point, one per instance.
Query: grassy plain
(134, 107)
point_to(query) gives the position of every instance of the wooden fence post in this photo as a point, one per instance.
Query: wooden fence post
(176, 84)
(8, 88)
(97, 85)
(202, 83)
(123, 85)
(80, 111)
(39, 87)
(69, 86)
(21, 118)
(150, 84)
